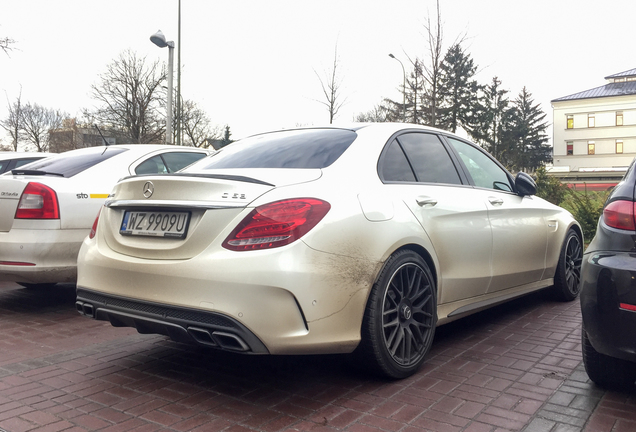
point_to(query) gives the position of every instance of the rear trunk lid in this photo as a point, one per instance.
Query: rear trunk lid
(198, 207)
(10, 193)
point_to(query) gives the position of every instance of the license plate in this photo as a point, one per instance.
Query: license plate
(155, 224)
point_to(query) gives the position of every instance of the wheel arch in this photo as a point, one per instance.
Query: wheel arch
(426, 256)
(575, 226)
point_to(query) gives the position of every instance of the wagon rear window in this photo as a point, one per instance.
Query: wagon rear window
(71, 163)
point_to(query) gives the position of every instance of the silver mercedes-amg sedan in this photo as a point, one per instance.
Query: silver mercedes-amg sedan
(325, 240)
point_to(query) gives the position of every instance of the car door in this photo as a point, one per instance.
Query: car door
(519, 227)
(419, 169)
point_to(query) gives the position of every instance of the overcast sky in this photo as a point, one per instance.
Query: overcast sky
(252, 64)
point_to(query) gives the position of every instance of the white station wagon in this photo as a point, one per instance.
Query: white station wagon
(48, 207)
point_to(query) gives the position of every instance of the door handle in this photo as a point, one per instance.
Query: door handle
(495, 201)
(425, 200)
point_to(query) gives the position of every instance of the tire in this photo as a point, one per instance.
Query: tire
(567, 279)
(37, 286)
(606, 371)
(399, 321)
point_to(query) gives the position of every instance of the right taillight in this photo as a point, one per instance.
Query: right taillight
(94, 228)
(620, 215)
(276, 224)
(38, 201)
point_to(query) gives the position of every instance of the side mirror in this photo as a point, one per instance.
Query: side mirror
(525, 184)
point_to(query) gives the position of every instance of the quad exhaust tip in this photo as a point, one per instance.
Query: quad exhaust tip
(85, 309)
(212, 338)
(218, 339)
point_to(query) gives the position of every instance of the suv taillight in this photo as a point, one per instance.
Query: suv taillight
(620, 215)
(38, 202)
(276, 224)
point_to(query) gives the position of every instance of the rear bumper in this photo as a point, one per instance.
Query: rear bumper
(608, 292)
(45, 255)
(181, 324)
(293, 299)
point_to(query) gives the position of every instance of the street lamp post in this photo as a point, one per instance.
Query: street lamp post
(403, 88)
(160, 40)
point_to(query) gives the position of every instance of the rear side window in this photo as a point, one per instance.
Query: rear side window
(72, 163)
(394, 166)
(176, 161)
(311, 148)
(154, 165)
(168, 162)
(429, 158)
(21, 162)
(418, 157)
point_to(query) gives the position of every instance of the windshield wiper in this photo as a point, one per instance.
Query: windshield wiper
(34, 172)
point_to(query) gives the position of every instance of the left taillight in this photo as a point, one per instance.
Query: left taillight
(94, 228)
(276, 224)
(38, 201)
(620, 215)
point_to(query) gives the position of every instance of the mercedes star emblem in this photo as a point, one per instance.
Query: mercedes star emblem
(149, 189)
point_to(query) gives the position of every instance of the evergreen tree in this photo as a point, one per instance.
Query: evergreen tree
(528, 133)
(226, 137)
(492, 121)
(458, 90)
(412, 110)
(415, 94)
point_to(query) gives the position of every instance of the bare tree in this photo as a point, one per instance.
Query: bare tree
(131, 99)
(378, 114)
(331, 88)
(12, 123)
(37, 121)
(432, 68)
(5, 44)
(196, 125)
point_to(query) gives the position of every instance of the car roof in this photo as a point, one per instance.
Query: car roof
(381, 127)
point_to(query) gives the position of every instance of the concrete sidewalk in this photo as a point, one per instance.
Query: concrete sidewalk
(514, 368)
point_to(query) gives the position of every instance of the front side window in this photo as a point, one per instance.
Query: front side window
(591, 120)
(483, 170)
(570, 121)
(591, 147)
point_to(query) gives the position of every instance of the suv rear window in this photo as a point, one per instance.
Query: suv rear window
(71, 163)
(310, 148)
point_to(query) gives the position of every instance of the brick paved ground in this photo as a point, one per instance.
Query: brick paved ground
(515, 368)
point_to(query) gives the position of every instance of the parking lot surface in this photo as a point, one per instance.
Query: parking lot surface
(516, 367)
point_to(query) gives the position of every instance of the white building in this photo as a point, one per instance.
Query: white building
(595, 132)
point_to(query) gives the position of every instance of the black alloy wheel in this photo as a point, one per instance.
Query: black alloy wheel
(567, 280)
(399, 324)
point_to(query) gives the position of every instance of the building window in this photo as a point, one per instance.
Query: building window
(619, 119)
(590, 147)
(590, 120)
(619, 146)
(570, 145)
(570, 121)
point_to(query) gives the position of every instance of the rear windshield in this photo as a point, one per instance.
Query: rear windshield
(72, 163)
(311, 148)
